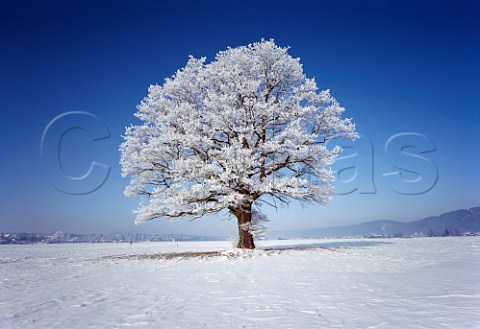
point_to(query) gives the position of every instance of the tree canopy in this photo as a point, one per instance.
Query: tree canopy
(245, 129)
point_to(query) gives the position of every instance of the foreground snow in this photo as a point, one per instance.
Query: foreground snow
(396, 283)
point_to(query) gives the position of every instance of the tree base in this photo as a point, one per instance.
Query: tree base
(244, 217)
(245, 241)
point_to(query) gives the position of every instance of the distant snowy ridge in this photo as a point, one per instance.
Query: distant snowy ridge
(458, 222)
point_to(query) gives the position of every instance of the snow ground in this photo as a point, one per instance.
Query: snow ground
(394, 283)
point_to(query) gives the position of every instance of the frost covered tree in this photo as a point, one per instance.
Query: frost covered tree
(247, 129)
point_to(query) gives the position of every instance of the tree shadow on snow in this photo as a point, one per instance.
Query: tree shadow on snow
(327, 245)
(270, 250)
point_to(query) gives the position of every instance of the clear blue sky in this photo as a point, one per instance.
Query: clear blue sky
(397, 66)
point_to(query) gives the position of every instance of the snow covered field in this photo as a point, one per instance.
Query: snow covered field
(394, 283)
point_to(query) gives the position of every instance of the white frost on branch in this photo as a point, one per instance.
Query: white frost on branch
(247, 127)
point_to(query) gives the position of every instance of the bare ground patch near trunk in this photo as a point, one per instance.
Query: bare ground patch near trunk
(230, 254)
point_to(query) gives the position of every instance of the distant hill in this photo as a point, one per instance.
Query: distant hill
(456, 222)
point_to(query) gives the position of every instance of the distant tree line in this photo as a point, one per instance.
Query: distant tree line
(446, 232)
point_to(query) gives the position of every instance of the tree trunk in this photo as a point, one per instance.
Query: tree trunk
(244, 217)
